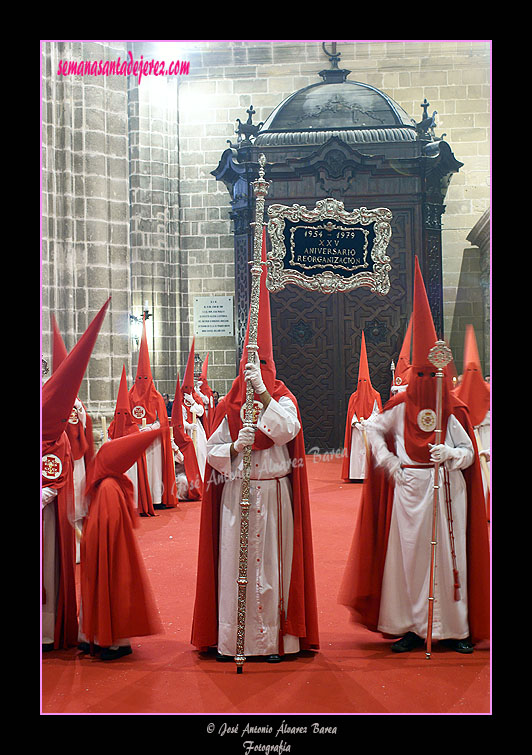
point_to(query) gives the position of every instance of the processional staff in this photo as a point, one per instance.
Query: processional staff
(440, 355)
(260, 188)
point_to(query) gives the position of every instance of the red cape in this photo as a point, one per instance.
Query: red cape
(362, 581)
(302, 615)
(116, 596)
(66, 624)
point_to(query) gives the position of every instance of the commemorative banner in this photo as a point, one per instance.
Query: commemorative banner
(327, 248)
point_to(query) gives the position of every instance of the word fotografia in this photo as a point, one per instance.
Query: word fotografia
(123, 68)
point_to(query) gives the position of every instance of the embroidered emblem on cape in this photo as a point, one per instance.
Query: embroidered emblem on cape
(426, 420)
(138, 412)
(398, 381)
(73, 419)
(257, 408)
(51, 467)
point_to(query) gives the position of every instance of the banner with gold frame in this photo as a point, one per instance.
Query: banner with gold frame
(328, 248)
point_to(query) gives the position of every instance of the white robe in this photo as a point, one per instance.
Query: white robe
(484, 442)
(357, 457)
(270, 494)
(80, 479)
(405, 587)
(154, 465)
(201, 436)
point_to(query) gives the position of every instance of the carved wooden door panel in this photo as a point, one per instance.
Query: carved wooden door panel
(306, 351)
(317, 337)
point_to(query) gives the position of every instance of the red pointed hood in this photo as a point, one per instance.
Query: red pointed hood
(204, 368)
(116, 456)
(144, 399)
(402, 368)
(178, 428)
(264, 332)
(123, 422)
(365, 396)
(473, 390)
(236, 398)
(143, 377)
(187, 386)
(421, 389)
(60, 391)
(59, 350)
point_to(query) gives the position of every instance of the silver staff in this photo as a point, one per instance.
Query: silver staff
(260, 188)
(439, 356)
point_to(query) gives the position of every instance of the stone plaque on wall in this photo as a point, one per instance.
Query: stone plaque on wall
(213, 316)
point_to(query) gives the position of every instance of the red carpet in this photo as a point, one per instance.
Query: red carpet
(354, 672)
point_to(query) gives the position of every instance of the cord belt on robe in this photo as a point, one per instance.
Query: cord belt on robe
(280, 566)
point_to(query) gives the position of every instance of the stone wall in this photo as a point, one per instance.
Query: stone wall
(85, 212)
(130, 207)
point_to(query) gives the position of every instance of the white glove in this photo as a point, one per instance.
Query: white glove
(486, 453)
(189, 425)
(441, 452)
(393, 467)
(253, 374)
(188, 397)
(48, 494)
(246, 436)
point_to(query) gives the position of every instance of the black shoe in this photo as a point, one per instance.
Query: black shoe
(110, 655)
(47, 646)
(223, 658)
(274, 658)
(85, 647)
(460, 646)
(409, 642)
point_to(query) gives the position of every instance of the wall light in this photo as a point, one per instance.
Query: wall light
(135, 323)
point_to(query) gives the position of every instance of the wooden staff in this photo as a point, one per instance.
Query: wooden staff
(364, 435)
(260, 188)
(439, 356)
(485, 472)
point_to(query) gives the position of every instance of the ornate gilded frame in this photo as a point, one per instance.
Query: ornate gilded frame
(327, 281)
